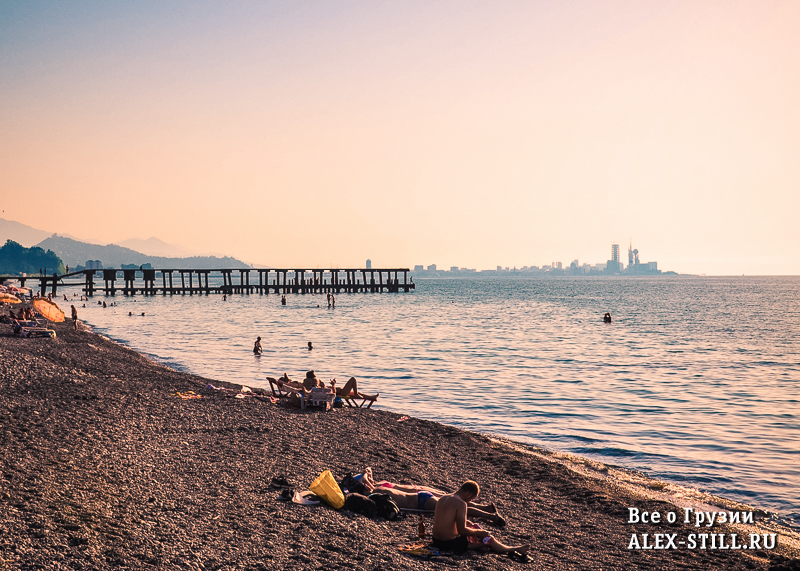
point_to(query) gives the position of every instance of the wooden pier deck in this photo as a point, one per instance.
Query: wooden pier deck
(226, 281)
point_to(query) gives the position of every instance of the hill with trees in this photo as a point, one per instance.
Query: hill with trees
(16, 259)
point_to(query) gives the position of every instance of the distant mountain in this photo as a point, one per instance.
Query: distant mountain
(21, 234)
(155, 247)
(74, 253)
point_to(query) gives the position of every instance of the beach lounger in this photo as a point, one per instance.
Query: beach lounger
(322, 397)
(358, 402)
(36, 332)
(281, 390)
(31, 328)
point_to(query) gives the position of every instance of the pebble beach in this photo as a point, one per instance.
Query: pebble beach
(104, 467)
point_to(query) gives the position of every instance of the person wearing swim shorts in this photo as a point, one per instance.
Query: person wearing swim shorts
(451, 530)
(422, 499)
(400, 492)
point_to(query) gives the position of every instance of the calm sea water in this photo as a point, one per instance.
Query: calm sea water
(696, 381)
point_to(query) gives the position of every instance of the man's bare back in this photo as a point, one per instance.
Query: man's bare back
(452, 531)
(449, 510)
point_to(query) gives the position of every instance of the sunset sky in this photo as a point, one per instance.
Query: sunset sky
(470, 134)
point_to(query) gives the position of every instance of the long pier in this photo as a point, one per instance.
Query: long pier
(264, 281)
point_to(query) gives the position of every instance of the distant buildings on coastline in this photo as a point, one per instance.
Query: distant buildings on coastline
(612, 267)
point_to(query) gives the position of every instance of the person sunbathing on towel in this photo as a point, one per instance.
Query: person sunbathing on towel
(408, 491)
(427, 501)
(451, 530)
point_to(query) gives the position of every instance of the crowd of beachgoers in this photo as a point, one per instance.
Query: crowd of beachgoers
(110, 460)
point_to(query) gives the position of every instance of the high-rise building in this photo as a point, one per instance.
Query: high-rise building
(614, 266)
(369, 264)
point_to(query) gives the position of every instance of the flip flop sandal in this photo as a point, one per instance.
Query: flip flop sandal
(519, 557)
(281, 482)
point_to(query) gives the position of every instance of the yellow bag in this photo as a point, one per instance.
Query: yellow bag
(325, 487)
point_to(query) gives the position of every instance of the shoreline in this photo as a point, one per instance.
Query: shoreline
(649, 485)
(102, 467)
(635, 480)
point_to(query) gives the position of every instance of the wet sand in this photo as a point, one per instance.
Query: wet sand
(102, 468)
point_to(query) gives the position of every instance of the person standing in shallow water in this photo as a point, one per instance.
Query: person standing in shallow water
(607, 318)
(257, 347)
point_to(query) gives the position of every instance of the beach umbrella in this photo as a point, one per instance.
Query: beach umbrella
(48, 309)
(8, 298)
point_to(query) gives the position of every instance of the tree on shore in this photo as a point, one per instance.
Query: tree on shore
(16, 259)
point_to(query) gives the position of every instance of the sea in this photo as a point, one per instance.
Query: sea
(696, 381)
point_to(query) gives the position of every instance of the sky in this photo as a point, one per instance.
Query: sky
(470, 134)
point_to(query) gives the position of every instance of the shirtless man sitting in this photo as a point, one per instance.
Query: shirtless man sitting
(452, 531)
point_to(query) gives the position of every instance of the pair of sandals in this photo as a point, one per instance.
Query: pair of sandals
(520, 557)
(287, 488)
(281, 482)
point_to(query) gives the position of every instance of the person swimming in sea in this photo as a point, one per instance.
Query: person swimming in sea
(607, 318)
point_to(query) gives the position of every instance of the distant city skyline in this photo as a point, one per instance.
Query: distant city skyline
(612, 266)
(326, 133)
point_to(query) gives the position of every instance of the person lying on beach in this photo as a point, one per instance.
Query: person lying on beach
(451, 530)
(427, 501)
(407, 493)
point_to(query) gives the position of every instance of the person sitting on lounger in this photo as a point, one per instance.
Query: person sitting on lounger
(296, 386)
(312, 381)
(451, 530)
(350, 389)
